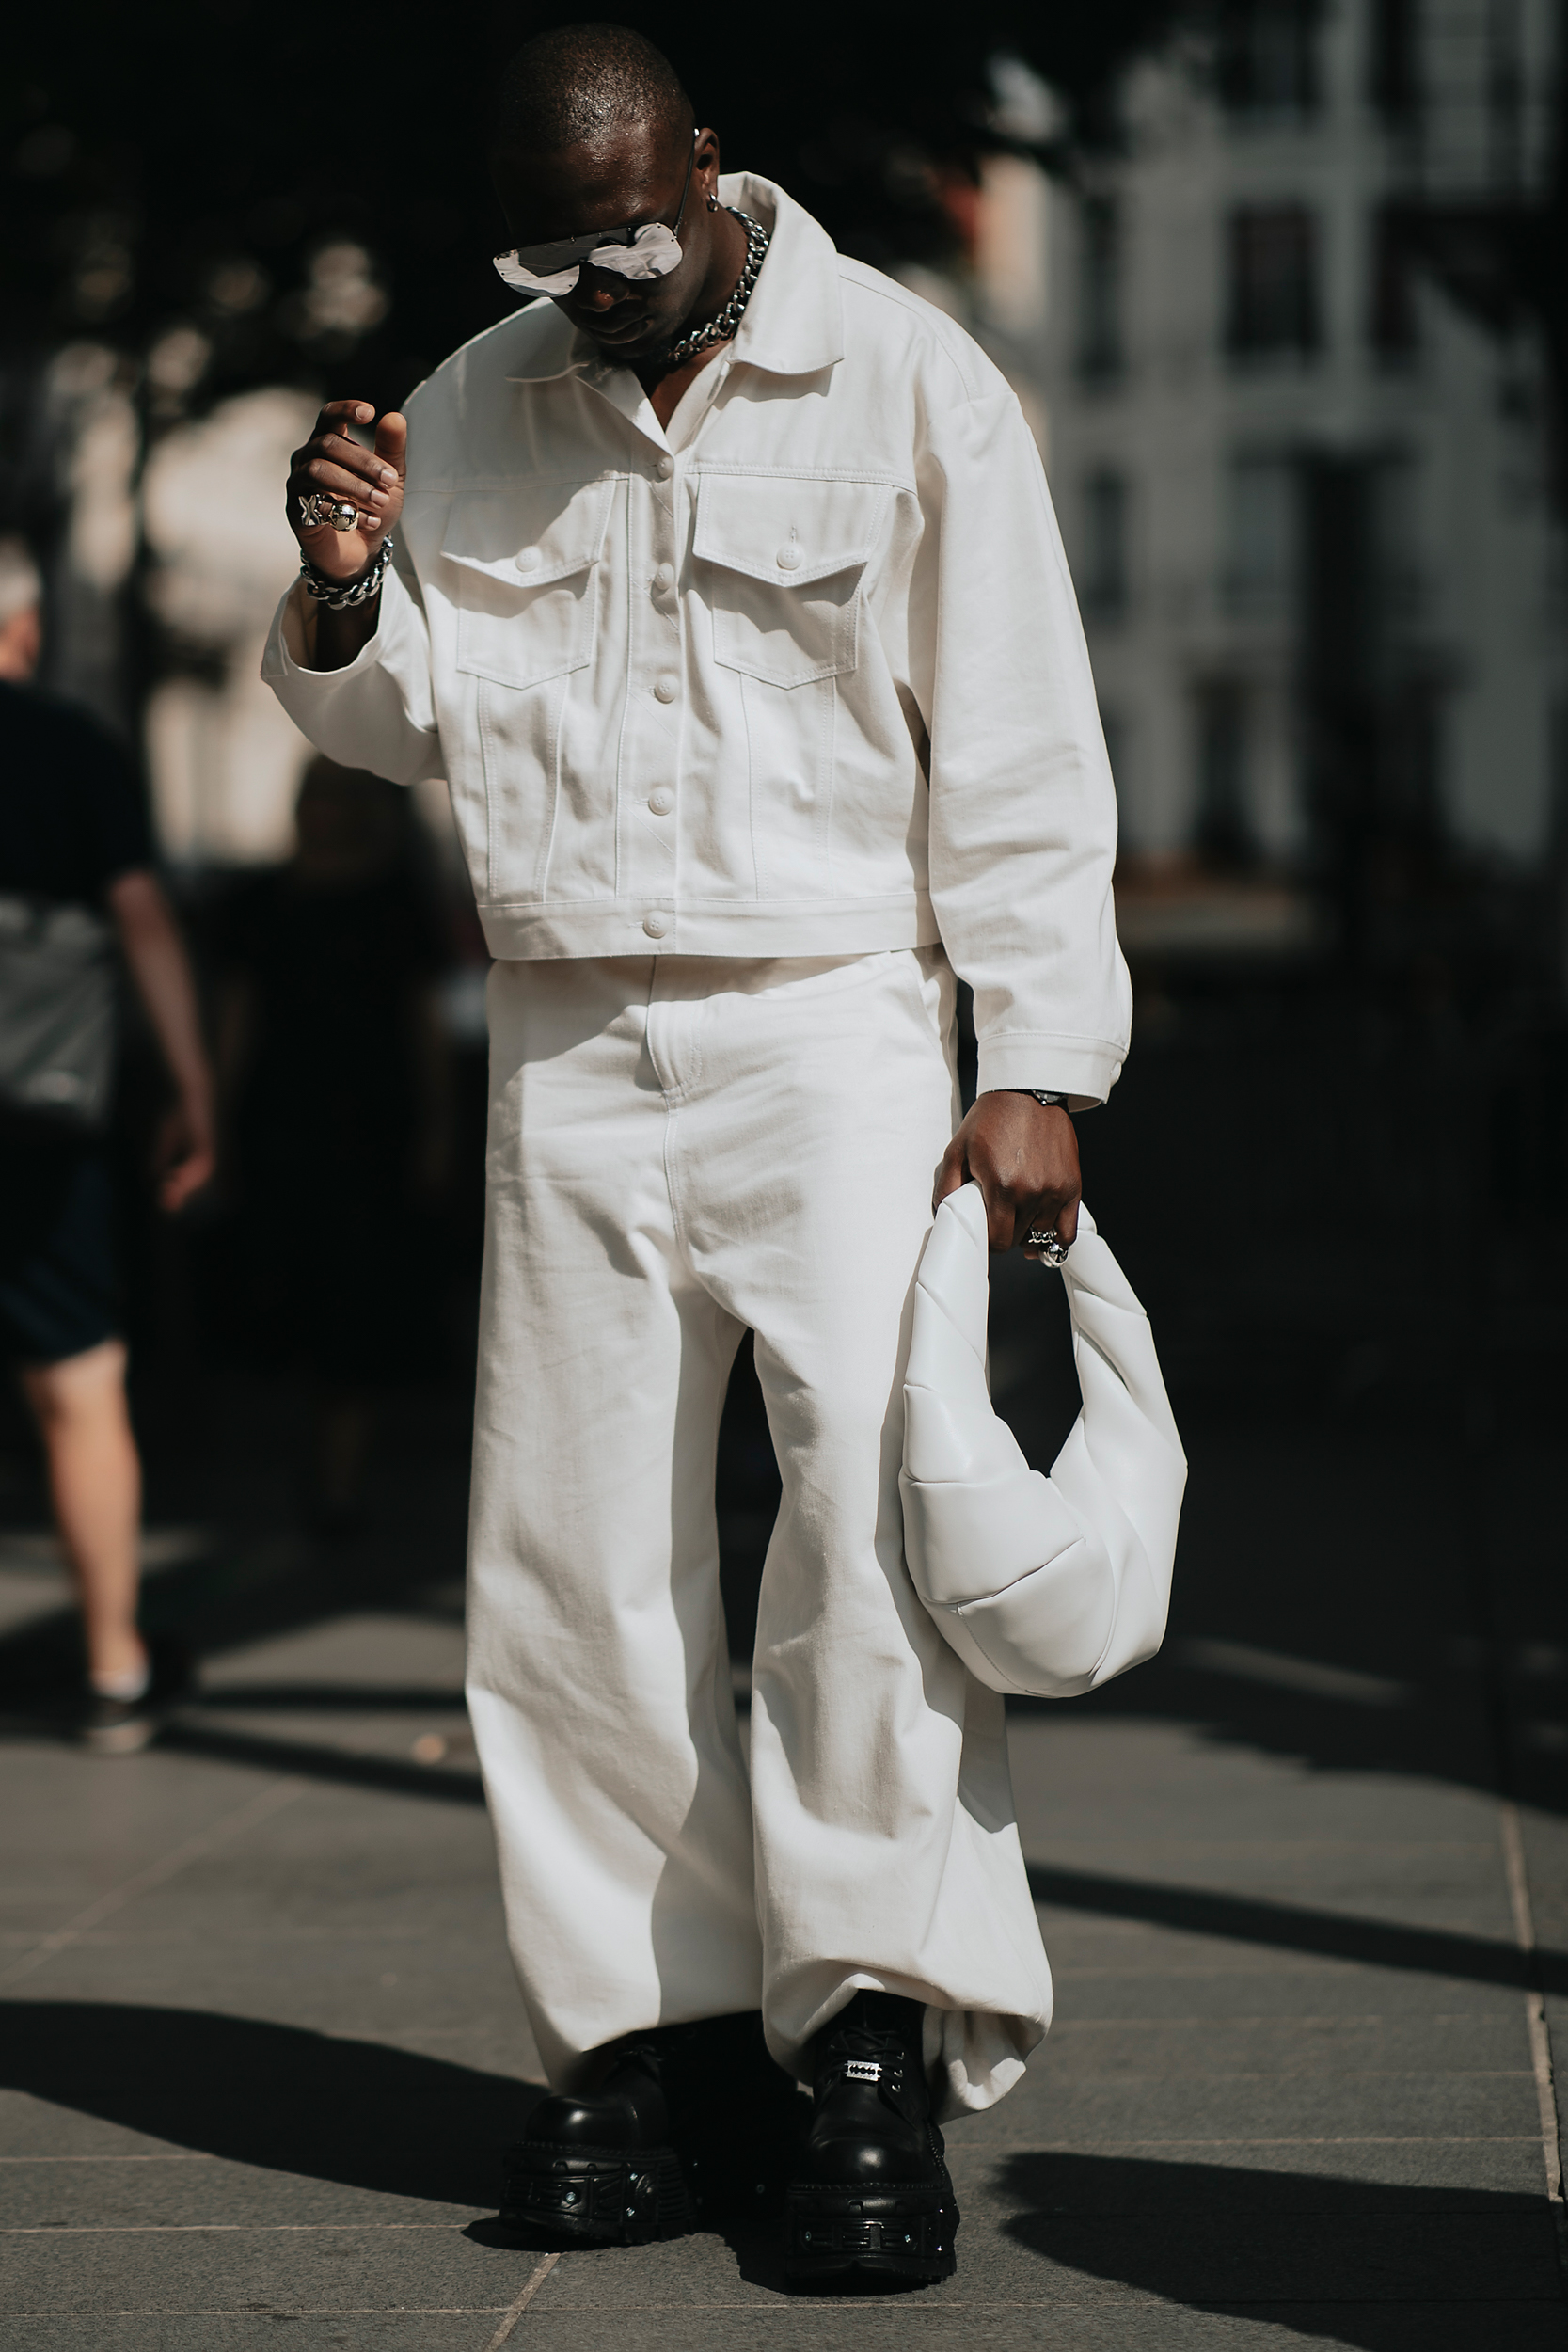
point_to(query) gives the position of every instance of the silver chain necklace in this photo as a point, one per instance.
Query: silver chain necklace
(720, 328)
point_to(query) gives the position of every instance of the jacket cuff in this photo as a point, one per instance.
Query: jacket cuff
(293, 638)
(1085, 1069)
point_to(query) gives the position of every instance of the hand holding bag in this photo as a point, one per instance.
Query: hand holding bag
(1044, 1586)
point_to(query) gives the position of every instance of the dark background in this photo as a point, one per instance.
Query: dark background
(149, 155)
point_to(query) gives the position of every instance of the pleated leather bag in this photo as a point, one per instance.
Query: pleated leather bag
(1044, 1586)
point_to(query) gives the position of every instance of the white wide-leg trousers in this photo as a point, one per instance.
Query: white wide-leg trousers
(679, 1149)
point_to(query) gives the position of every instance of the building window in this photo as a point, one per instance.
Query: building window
(1261, 532)
(1102, 581)
(1267, 56)
(1223, 829)
(1393, 60)
(1273, 281)
(1393, 324)
(1099, 250)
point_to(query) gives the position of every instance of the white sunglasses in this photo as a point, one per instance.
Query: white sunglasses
(652, 250)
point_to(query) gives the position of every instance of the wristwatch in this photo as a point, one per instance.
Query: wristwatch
(1042, 1094)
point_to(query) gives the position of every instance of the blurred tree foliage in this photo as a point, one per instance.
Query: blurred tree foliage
(243, 193)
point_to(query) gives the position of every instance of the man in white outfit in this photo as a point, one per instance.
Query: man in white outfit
(728, 599)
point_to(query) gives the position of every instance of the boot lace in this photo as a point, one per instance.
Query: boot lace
(865, 2056)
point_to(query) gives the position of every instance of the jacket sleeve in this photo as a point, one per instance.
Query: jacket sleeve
(377, 713)
(1022, 817)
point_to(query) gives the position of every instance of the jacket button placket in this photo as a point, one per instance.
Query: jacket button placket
(655, 697)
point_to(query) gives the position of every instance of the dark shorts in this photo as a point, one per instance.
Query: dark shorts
(59, 1275)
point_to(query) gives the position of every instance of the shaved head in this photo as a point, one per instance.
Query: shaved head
(579, 85)
(592, 132)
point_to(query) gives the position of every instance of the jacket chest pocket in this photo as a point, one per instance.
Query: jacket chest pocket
(783, 557)
(524, 574)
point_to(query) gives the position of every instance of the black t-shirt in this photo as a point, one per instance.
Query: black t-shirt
(71, 815)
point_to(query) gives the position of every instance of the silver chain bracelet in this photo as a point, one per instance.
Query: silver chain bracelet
(343, 596)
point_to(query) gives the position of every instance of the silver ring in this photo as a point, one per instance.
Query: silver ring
(322, 507)
(1051, 1245)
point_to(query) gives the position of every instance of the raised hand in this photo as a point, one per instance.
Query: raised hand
(371, 481)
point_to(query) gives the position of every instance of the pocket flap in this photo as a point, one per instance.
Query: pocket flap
(787, 529)
(528, 535)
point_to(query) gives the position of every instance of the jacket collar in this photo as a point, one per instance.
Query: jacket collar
(793, 325)
(794, 322)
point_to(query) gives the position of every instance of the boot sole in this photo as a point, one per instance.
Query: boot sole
(596, 2196)
(599, 2195)
(897, 2230)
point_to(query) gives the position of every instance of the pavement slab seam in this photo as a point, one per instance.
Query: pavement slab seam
(531, 2288)
(474, 2311)
(288, 2310)
(1350, 2075)
(1162, 2025)
(1321, 2140)
(1538, 2027)
(216, 2229)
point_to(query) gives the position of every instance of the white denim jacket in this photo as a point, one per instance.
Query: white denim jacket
(805, 678)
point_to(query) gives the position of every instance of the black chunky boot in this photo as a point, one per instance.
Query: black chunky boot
(872, 2195)
(685, 2126)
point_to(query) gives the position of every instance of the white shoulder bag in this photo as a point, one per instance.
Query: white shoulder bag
(1047, 1586)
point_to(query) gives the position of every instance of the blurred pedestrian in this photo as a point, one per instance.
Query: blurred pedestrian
(76, 881)
(333, 1072)
(730, 602)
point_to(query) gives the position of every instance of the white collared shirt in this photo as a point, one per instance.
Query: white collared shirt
(801, 677)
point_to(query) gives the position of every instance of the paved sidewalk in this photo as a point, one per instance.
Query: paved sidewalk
(264, 2040)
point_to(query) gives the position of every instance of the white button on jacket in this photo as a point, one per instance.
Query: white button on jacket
(868, 698)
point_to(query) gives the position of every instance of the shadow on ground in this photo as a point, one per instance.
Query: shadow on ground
(1342, 2261)
(314, 2105)
(1300, 1928)
(1333, 2258)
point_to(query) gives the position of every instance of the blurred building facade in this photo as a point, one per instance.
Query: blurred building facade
(1305, 490)
(224, 762)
